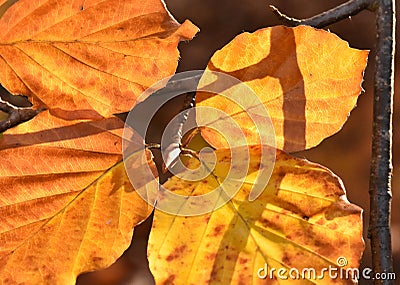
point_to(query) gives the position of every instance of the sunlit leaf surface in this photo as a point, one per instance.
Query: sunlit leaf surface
(87, 59)
(66, 204)
(301, 220)
(308, 80)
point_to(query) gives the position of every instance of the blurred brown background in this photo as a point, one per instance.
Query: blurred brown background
(346, 153)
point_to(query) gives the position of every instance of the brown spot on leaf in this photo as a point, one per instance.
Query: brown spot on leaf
(218, 229)
(286, 259)
(325, 248)
(177, 253)
(170, 280)
(243, 260)
(213, 275)
(211, 256)
(271, 224)
(281, 173)
(96, 259)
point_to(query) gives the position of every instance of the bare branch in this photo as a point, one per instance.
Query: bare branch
(326, 18)
(17, 115)
(381, 162)
(284, 18)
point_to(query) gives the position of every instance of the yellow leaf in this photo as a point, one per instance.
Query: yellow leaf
(307, 79)
(66, 204)
(301, 220)
(88, 59)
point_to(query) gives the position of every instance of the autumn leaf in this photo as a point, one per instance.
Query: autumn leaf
(307, 79)
(87, 59)
(4, 5)
(66, 204)
(301, 220)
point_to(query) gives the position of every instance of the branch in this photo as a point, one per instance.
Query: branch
(381, 162)
(17, 115)
(326, 18)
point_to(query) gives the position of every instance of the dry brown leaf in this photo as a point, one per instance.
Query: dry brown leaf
(88, 59)
(307, 79)
(66, 204)
(301, 220)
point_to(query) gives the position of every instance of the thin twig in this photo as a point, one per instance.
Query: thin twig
(326, 18)
(381, 162)
(179, 85)
(16, 115)
(153, 146)
(171, 143)
(173, 140)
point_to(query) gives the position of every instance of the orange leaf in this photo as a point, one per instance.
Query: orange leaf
(301, 220)
(307, 79)
(87, 59)
(4, 5)
(66, 204)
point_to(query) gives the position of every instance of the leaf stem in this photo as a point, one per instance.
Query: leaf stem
(326, 18)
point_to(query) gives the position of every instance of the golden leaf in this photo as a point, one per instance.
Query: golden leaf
(307, 79)
(301, 220)
(87, 59)
(66, 204)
